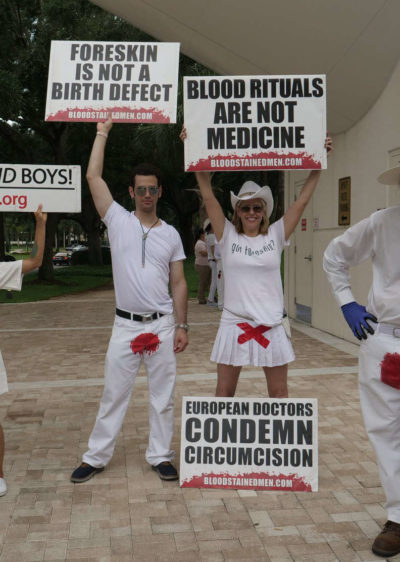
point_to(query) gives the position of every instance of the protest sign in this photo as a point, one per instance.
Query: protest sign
(249, 443)
(23, 187)
(254, 122)
(134, 82)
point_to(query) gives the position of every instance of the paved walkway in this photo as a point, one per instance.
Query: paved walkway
(54, 352)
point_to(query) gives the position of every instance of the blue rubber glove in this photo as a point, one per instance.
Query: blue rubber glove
(356, 317)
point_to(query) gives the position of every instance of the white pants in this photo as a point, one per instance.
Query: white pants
(380, 404)
(213, 283)
(122, 365)
(3, 376)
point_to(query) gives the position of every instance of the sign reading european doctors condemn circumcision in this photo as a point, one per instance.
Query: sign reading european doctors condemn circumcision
(249, 443)
(134, 82)
(255, 122)
(23, 187)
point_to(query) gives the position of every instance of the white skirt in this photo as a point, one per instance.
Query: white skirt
(3, 377)
(242, 342)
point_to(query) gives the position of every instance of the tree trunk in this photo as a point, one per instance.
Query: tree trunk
(94, 242)
(92, 224)
(46, 271)
(2, 240)
(186, 223)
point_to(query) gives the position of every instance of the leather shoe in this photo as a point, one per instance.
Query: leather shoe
(84, 472)
(166, 471)
(387, 543)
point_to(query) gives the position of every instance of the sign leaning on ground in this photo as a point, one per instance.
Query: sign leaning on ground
(24, 186)
(255, 122)
(249, 443)
(134, 82)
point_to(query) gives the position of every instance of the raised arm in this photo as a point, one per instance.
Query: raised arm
(36, 257)
(293, 214)
(213, 208)
(102, 197)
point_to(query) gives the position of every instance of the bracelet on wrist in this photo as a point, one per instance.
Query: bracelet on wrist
(102, 134)
(183, 326)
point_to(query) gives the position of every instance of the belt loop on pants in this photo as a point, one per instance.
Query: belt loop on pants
(389, 329)
(138, 317)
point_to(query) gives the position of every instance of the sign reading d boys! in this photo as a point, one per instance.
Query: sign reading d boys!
(249, 444)
(134, 82)
(24, 186)
(255, 122)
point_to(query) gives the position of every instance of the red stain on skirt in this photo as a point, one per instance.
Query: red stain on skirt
(390, 370)
(145, 343)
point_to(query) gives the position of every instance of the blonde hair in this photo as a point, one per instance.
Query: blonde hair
(237, 223)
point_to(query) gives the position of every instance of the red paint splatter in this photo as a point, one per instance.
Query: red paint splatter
(307, 162)
(253, 333)
(390, 370)
(145, 343)
(291, 482)
(157, 116)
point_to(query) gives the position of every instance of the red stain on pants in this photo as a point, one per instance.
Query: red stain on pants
(145, 343)
(390, 370)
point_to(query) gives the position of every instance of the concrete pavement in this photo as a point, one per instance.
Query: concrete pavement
(54, 353)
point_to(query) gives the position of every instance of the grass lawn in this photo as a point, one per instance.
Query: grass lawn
(75, 279)
(71, 279)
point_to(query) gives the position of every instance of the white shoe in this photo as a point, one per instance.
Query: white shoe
(3, 487)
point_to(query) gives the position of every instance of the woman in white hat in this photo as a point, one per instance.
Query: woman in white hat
(251, 330)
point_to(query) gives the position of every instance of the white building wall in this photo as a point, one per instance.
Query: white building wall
(361, 153)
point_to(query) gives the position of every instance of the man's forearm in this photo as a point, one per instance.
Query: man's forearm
(179, 297)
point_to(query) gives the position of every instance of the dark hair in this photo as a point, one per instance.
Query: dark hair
(208, 227)
(145, 170)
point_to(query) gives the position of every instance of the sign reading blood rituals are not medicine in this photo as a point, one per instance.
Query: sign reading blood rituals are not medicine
(255, 122)
(134, 82)
(249, 443)
(23, 187)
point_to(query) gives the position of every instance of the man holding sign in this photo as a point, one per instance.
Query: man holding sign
(147, 255)
(11, 278)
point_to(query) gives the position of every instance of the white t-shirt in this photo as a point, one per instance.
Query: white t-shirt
(138, 289)
(11, 275)
(376, 237)
(11, 279)
(253, 285)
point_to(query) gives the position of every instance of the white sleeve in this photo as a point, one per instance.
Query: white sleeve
(11, 275)
(351, 248)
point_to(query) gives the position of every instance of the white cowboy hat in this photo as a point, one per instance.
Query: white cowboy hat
(251, 190)
(390, 177)
(206, 223)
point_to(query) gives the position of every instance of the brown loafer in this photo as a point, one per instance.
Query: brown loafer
(387, 543)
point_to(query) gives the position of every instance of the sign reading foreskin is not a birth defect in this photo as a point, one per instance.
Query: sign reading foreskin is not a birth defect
(255, 122)
(249, 443)
(23, 187)
(132, 82)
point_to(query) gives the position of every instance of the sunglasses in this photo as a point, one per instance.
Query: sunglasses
(142, 190)
(247, 208)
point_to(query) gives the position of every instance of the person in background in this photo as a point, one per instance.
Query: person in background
(220, 276)
(201, 266)
(11, 274)
(212, 262)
